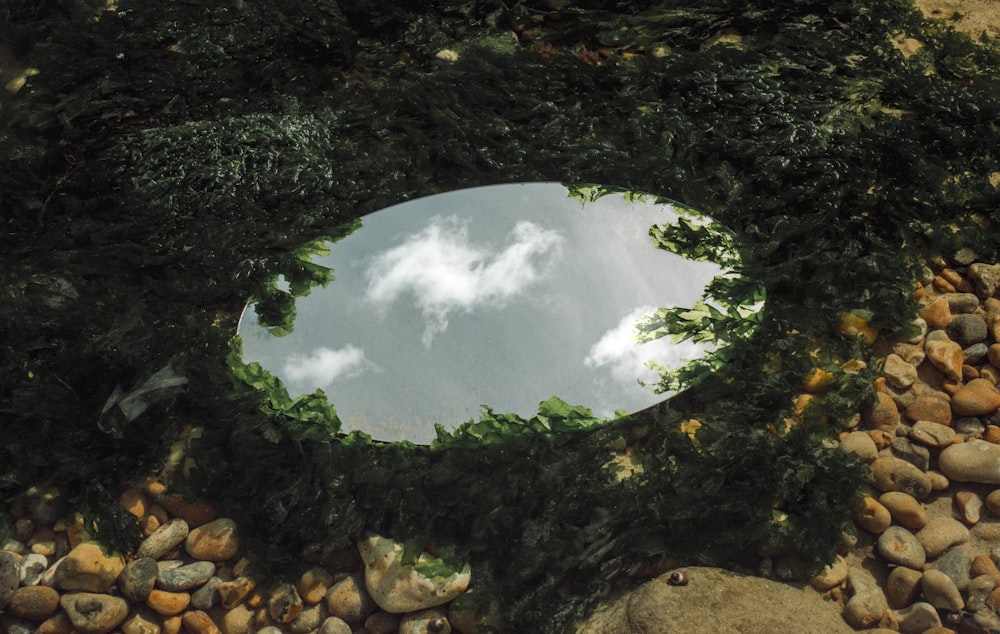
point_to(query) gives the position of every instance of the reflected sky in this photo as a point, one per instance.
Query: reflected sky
(502, 296)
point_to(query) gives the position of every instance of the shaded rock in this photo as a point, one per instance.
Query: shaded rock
(975, 354)
(967, 329)
(940, 534)
(902, 587)
(232, 593)
(883, 414)
(397, 587)
(716, 600)
(214, 541)
(978, 397)
(308, 620)
(382, 623)
(164, 539)
(349, 600)
(10, 577)
(986, 278)
(899, 546)
(34, 603)
(917, 618)
(87, 567)
(940, 591)
(334, 625)
(284, 604)
(92, 613)
(313, 585)
(915, 453)
(430, 621)
(168, 603)
(239, 620)
(932, 434)
(872, 516)
(138, 579)
(977, 593)
(956, 563)
(198, 622)
(860, 444)
(32, 567)
(207, 596)
(983, 565)
(868, 605)
(893, 474)
(993, 502)
(936, 409)
(971, 461)
(832, 575)
(141, 621)
(969, 427)
(937, 314)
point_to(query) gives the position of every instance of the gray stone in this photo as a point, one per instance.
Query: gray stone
(184, 578)
(932, 434)
(917, 618)
(986, 278)
(138, 579)
(334, 625)
(10, 577)
(902, 587)
(164, 539)
(899, 546)
(45, 505)
(940, 534)
(207, 596)
(969, 427)
(914, 453)
(967, 329)
(975, 353)
(962, 303)
(716, 600)
(94, 613)
(940, 591)
(11, 625)
(956, 563)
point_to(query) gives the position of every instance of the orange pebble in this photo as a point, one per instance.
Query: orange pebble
(992, 434)
(134, 501)
(943, 285)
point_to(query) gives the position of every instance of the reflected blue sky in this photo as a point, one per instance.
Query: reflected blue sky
(502, 296)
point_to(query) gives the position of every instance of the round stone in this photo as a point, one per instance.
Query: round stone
(832, 575)
(87, 567)
(883, 414)
(860, 444)
(905, 509)
(9, 577)
(185, 578)
(971, 461)
(961, 303)
(936, 409)
(937, 314)
(138, 579)
(94, 613)
(932, 434)
(919, 617)
(214, 541)
(349, 600)
(967, 329)
(164, 539)
(334, 625)
(902, 587)
(34, 603)
(893, 474)
(978, 397)
(940, 591)
(899, 546)
(969, 505)
(313, 585)
(947, 357)
(898, 372)
(940, 534)
(872, 516)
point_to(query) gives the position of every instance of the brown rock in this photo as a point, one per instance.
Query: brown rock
(969, 505)
(983, 565)
(932, 434)
(239, 620)
(233, 593)
(883, 414)
(872, 516)
(168, 603)
(135, 502)
(940, 534)
(313, 585)
(142, 621)
(937, 314)
(284, 604)
(349, 600)
(992, 434)
(92, 613)
(978, 397)
(993, 502)
(172, 624)
(198, 622)
(894, 474)
(902, 586)
(87, 567)
(34, 603)
(946, 356)
(195, 513)
(905, 509)
(215, 541)
(930, 408)
(57, 624)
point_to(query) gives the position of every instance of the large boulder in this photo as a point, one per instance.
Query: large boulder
(717, 601)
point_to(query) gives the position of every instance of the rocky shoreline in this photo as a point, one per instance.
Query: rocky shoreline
(924, 559)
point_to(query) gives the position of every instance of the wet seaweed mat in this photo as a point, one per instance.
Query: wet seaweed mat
(166, 161)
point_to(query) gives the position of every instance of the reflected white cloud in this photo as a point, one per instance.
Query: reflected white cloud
(324, 366)
(626, 358)
(444, 272)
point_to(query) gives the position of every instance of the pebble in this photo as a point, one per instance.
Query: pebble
(32, 567)
(88, 568)
(905, 509)
(969, 427)
(284, 604)
(936, 409)
(868, 604)
(427, 621)
(986, 278)
(397, 587)
(239, 620)
(972, 461)
(993, 502)
(382, 623)
(893, 474)
(883, 414)
(168, 603)
(207, 596)
(313, 585)
(932, 434)
(334, 625)
(947, 357)
(967, 329)
(969, 506)
(872, 516)
(198, 622)
(938, 481)
(141, 621)
(975, 354)
(164, 539)
(308, 620)
(956, 564)
(349, 600)
(978, 397)
(194, 512)
(902, 587)
(10, 575)
(937, 314)
(138, 579)
(214, 541)
(983, 565)
(898, 372)
(913, 452)
(940, 534)
(34, 603)
(186, 577)
(977, 592)
(899, 546)
(917, 618)
(832, 575)
(232, 593)
(860, 444)
(940, 591)
(94, 613)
